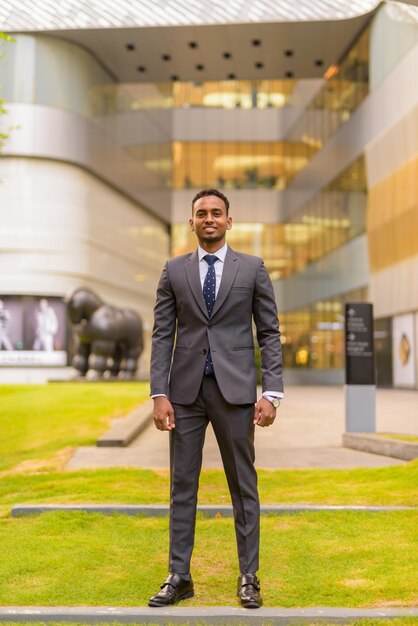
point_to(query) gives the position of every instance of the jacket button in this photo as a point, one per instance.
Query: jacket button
(204, 351)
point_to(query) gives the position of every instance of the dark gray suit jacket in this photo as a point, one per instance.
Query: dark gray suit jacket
(182, 323)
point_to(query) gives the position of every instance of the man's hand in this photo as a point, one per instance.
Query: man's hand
(163, 413)
(264, 413)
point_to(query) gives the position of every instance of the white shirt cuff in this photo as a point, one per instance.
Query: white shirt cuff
(273, 394)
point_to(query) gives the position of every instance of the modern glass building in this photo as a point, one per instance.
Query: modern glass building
(305, 115)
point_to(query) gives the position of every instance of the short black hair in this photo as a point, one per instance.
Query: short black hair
(211, 192)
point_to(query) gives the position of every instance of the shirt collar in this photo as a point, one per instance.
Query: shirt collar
(221, 253)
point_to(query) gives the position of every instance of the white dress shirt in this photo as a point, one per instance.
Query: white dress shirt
(219, 265)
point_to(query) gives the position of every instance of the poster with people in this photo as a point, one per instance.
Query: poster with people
(6, 320)
(33, 330)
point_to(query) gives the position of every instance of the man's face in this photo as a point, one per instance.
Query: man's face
(210, 221)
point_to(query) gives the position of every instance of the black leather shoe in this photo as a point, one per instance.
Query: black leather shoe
(173, 589)
(249, 591)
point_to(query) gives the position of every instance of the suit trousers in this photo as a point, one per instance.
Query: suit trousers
(234, 431)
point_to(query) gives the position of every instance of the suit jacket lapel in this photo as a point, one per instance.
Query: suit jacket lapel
(228, 277)
(193, 276)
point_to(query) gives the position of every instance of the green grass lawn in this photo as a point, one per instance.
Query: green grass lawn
(40, 422)
(315, 559)
(41, 425)
(335, 559)
(401, 437)
(396, 485)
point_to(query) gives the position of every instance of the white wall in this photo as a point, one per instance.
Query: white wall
(53, 89)
(391, 36)
(62, 228)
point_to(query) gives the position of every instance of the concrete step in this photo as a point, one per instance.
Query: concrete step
(211, 510)
(125, 429)
(376, 444)
(201, 616)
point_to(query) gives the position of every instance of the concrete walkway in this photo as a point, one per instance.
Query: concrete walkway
(307, 434)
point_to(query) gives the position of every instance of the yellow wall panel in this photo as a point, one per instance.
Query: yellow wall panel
(392, 217)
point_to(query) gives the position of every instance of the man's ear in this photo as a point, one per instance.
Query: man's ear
(191, 225)
(229, 223)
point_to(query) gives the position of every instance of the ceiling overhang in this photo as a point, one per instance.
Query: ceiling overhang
(219, 52)
(164, 40)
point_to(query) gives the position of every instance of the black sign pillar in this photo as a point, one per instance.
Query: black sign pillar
(360, 377)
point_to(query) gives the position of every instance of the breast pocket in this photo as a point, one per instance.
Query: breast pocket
(240, 295)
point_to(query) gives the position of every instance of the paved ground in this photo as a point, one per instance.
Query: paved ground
(307, 434)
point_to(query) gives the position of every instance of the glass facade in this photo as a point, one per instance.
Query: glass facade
(237, 165)
(346, 86)
(272, 165)
(109, 99)
(334, 217)
(233, 94)
(112, 99)
(313, 337)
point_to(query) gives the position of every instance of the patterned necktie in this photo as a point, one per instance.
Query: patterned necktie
(209, 294)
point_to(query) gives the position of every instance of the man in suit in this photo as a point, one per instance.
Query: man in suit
(203, 369)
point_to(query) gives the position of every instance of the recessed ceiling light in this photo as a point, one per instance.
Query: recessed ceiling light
(256, 42)
(193, 44)
(288, 53)
(231, 77)
(289, 74)
(227, 55)
(259, 65)
(130, 46)
(200, 67)
(319, 62)
(166, 57)
(174, 77)
(141, 68)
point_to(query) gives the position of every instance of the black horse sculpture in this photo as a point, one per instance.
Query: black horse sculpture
(108, 340)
